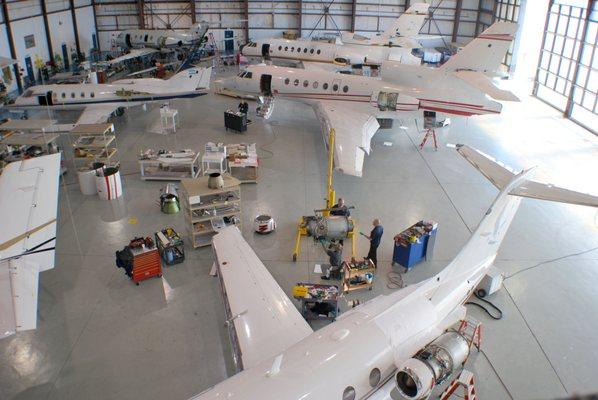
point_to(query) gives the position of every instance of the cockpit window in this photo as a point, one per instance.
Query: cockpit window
(248, 75)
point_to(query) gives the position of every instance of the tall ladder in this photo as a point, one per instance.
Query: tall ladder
(219, 63)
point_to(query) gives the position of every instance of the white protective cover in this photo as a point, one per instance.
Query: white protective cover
(28, 208)
(265, 320)
(354, 128)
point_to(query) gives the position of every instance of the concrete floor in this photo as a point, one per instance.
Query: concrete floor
(101, 337)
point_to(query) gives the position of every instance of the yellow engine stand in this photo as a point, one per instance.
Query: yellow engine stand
(330, 201)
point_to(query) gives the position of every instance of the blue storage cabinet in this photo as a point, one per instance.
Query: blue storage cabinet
(407, 253)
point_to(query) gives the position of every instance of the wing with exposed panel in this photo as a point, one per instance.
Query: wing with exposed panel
(28, 208)
(262, 320)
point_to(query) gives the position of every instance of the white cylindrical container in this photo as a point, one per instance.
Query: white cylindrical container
(87, 179)
(109, 184)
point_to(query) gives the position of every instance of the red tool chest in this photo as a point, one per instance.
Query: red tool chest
(146, 264)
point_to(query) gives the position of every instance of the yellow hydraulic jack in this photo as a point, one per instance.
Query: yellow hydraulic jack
(330, 202)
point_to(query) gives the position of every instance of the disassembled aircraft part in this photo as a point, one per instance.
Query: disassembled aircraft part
(333, 227)
(436, 362)
(265, 106)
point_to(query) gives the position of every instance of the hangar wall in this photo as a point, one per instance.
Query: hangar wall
(31, 39)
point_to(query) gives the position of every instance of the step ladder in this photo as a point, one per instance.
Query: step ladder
(265, 105)
(471, 330)
(212, 42)
(430, 133)
(464, 380)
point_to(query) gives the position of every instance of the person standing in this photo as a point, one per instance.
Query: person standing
(375, 237)
(340, 208)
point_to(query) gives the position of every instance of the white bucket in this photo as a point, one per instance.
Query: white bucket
(108, 183)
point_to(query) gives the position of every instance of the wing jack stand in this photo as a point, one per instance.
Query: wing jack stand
(430, 133)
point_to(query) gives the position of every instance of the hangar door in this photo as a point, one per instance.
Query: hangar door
(567, 75)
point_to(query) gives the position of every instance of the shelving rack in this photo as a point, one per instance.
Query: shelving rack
(96, 143)
(208, 210)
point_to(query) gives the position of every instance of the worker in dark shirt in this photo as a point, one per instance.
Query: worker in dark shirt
(335, 254)
(375, 237)
(340, 209)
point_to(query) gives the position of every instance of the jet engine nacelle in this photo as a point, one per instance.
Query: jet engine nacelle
(333, 227)
(417, 376)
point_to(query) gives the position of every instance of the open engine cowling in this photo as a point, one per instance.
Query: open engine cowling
(416, 377)
(394, 101)
(333, 227)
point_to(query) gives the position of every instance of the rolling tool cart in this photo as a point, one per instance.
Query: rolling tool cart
(318, 302)
(170, 246)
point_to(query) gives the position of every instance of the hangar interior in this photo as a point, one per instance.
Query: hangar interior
(100, 336)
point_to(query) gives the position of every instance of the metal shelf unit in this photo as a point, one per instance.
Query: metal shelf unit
(205, 209)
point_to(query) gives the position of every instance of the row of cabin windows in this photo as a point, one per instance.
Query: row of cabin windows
(315, 85)
(305, 50)
(73, 95)
(142, 37)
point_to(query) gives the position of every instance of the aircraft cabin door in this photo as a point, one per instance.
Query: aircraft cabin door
(128, 40)
(265, 50)
(266, 85)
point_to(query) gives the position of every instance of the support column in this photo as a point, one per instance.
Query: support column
(42, 4)
(246, 17)
(353, 14)
(141, 13)
(75, 29)
(95, 24)
(458, 8)
(300, 18)
(192, 11)
(11, 45)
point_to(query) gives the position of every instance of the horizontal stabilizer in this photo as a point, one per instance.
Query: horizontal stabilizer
(500, 176)
(483, 83)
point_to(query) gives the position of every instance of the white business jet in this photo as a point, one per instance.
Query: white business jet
(99, 101)
(142, 42)
(397, 342)
(403, 32)
(353, 49)
(28, 208)
(350, 104)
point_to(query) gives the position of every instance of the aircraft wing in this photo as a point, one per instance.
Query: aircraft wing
(262, 320)
(133, 53)
(482, 82)
(354, 128)
(96, 114)
(28, 208)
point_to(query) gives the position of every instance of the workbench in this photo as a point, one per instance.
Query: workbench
(169, 165)
(243, 162)
(94, 143)
(311, 295)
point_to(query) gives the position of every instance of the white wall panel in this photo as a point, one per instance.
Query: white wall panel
(57, 5)
(85, 27)
(61, 31)
(30, 26)
(23, 9)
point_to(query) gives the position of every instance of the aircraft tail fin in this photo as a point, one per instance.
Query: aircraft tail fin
(199, 30)
(409, 23)
(191, 79)
(480, 251)
(486, 52)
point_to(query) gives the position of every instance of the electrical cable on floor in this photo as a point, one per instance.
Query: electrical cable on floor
(496, 316)
(395, 280)
(263, 146)
(551, 261)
